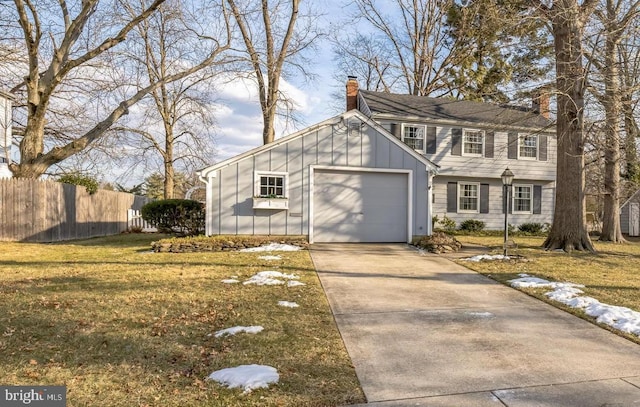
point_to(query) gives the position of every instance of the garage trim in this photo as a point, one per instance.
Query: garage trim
(313, 168)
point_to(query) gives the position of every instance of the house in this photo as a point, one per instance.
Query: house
(473, 143)
(630, 215)
(6, 100)
(346, 179)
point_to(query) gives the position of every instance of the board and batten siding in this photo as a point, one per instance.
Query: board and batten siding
(230, 204)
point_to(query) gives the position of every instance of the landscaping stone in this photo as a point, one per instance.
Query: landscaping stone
(217, 243)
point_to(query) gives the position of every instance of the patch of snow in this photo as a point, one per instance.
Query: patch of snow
(277, 257)
(288, 304)
(526, 281)
(621, 318)
(270, 278)
(487, 257)
(230, 281)
(237, 329)
(272, 247)
(294, 283)
(481, 314)
(248, 377)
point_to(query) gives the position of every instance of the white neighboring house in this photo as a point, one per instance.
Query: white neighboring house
(6, 100)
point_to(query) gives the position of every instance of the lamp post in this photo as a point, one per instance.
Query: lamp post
(507, 180)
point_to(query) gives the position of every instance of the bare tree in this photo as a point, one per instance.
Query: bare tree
(175, 121)
(365, 57)
(66, 44)
(614, 17)
(272, 39)
(414, 34)
(567, 19)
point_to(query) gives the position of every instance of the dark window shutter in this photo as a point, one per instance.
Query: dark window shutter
(456, 141)
(395, 128)
(452, 197)
(431, 140)
(542, 146)
(484, 198)
(512, 152)
(537, 199)
(488, 144)
(510, 203)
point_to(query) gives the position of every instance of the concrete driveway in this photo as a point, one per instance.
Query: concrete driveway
(424, 331)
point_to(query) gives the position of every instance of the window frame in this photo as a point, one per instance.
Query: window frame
(424, 135)
(477, 197)
(464, 142)
(513, 199)
(258, 175)
(520, 145)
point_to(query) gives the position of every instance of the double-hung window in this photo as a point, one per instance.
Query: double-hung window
(271, 184)
(413, 136)
(528, 147)
(522, 198)
(468, 197)
(473, 142)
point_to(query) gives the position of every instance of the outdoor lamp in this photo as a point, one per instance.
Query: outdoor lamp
(507, 180)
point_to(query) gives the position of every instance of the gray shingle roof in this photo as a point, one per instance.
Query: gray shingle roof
(452, 110)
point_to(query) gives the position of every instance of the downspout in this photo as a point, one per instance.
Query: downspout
(208, 224)
(429, 202)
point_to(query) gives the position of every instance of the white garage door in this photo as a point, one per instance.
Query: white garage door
(352, 206)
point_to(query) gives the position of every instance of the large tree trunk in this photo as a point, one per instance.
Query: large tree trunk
(611, 230)
(569, 230)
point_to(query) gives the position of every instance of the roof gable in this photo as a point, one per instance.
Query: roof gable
(448, 110)
(329, 122)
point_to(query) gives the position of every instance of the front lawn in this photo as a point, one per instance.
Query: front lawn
(122, 326)
(611, 276)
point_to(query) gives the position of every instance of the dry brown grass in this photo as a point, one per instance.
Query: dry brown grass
(121, 326)
(612, 275)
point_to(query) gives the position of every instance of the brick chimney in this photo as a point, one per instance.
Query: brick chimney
(540, 102)
(352, 93)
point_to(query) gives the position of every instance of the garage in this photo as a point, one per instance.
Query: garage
(360, 206)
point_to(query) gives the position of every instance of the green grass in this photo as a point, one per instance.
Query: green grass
(612, 275)
(121, 326)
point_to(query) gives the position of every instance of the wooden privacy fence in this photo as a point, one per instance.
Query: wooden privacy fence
(48, 211)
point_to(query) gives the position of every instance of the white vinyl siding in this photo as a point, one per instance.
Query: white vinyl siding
(413, 136)
(473, 143)
(468, 197)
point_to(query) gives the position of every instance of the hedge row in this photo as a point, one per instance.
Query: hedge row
(223, 243)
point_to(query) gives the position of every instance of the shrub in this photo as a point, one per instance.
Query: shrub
(181, 216)
(472, 225)
(82, 180)
(532, 228)
(446, 223)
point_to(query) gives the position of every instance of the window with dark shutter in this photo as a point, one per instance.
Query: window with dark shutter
(542, 153)
(512, 147)
(452, 197)
(537, 199)
(484, 198)
(488, 144)
(431, 140)
(456, 141)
